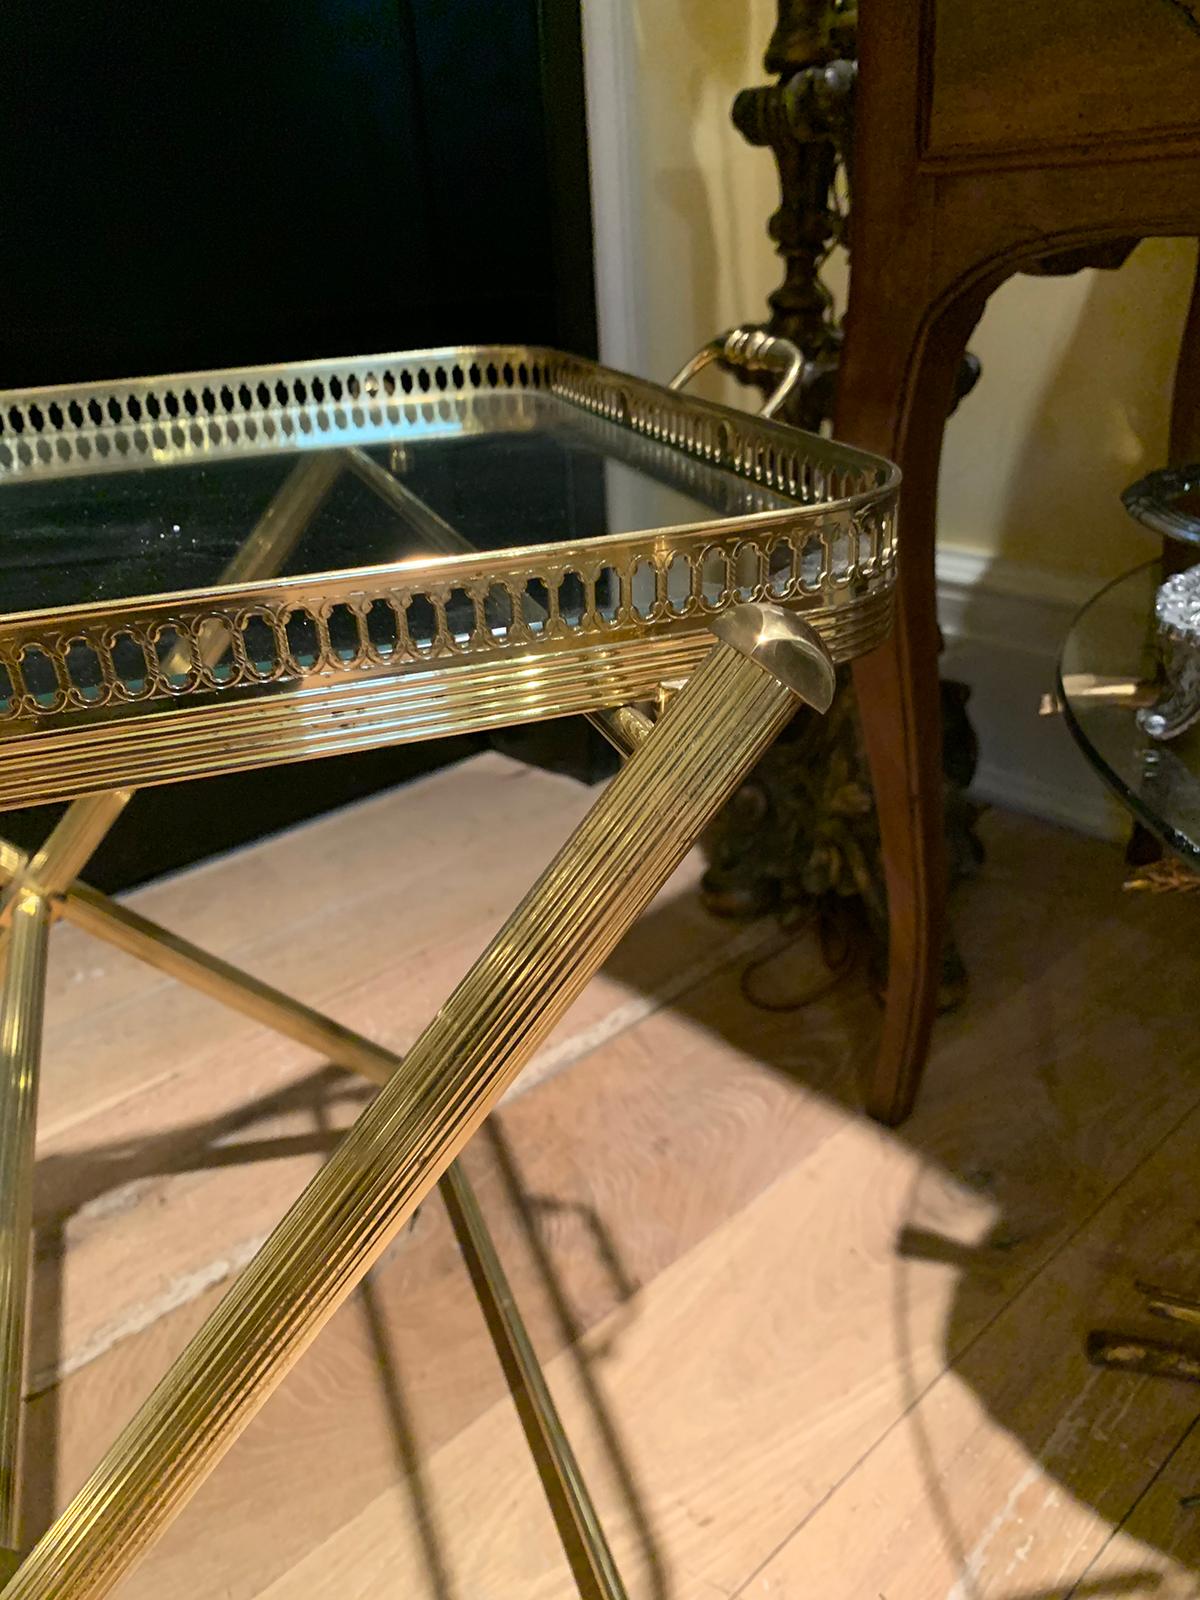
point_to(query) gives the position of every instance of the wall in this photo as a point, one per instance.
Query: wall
(1072, 406)
(680, 202)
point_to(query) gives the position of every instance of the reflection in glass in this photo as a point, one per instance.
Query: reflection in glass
(161, 529)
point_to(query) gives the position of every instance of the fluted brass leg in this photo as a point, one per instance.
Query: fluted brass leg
(576, 1518)
(640, 828)
(21, 1003)
(74, 840)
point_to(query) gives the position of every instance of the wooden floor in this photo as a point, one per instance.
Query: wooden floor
(801, 1355)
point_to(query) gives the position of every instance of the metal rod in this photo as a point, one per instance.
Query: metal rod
(575, 1516)
(74, 839)
(22, 1000)
(434, 531)
(292, 507)
(765, 663)
(73, 842)
(169, 953)
(623, 726)
(570, 1503)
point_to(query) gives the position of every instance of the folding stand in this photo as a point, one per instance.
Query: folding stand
(679, 770)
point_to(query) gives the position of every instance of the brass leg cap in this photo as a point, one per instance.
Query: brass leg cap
(783, 645)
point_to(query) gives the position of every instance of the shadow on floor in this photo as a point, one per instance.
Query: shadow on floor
(1074, 1010)
(1045, 1026)
(84, 1177)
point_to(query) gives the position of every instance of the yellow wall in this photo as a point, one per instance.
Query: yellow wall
(1077, 371)
(1072, 406)
(703, 195)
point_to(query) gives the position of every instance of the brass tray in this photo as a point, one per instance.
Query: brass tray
(204, 573)
(213, 571)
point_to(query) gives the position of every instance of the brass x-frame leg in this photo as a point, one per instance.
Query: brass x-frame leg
(764, 665)
(32, 892)
(178, 958)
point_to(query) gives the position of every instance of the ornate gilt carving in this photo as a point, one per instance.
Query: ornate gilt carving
(804, 830)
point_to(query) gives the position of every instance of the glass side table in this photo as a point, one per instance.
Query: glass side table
(1107, 672)
(213, 571)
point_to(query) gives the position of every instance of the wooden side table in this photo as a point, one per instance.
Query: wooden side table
(990, 138)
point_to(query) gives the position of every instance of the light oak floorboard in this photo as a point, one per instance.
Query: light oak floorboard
(1006, 1476)
(770, 1322)
(1155, 1553)
(154, 1098)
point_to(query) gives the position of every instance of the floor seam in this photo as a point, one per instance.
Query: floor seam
(959, 1355)
(1144, 1491)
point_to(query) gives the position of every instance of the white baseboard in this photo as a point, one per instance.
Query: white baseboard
(1004, 624)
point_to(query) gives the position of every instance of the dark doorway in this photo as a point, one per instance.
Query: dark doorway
(212, 184)
(215, 184)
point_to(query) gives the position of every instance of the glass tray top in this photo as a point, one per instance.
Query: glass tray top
(1106, 672)
(210, 571)
(545, 475)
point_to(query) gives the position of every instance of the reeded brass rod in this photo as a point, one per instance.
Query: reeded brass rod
(637, 832)
(73, 841)
(566, 1490)
(579, 1527)
(169, 953)
(623, 726)
(158, 947)
(22, 999)
(434, 531)
(292, 507)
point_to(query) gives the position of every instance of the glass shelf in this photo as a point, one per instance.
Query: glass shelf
(544, 476)
(1107, 670)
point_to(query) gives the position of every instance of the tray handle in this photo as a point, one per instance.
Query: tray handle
(754, 350)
